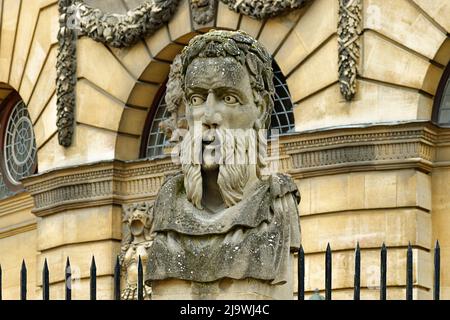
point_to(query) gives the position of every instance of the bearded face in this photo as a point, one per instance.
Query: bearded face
(222, 116)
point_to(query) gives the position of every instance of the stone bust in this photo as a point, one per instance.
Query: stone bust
(220, 217)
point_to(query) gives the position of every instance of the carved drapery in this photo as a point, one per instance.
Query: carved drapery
(349, 31)
(66, 70)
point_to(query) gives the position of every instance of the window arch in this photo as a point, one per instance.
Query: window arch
(18, 151)
(282, 118)
(441, 108)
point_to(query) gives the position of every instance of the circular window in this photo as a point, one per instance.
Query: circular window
(20, 144)
(18, 153)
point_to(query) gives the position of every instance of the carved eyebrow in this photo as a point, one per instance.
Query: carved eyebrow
(215, 89)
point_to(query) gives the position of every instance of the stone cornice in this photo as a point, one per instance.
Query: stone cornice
(107, 182)
(380, 147)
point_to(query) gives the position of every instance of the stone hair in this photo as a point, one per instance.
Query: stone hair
(247, 51)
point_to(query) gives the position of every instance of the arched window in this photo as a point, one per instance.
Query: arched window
(441, 109)
(18, 152)
(283, 113)
(282, 117)
(153, 136)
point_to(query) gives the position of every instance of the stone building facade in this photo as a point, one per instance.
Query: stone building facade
(365, 133)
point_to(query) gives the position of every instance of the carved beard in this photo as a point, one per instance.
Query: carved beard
(233, 162)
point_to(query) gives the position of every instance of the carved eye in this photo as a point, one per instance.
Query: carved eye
(229, 99)
(197, 100)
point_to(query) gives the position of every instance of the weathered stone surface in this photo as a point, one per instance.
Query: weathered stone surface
(8, 32)
(321, 16)
(263, 9)
(324, 68)
(438, 10)
(411, 28)
(224, 247)
(329, 109)
(137, 237)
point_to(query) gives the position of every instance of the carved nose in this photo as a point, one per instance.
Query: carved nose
(212, 121)
(211, 118)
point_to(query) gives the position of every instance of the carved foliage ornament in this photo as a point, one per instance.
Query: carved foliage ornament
(349, 30)
(262, 9)
(120, 30)
(124, 30)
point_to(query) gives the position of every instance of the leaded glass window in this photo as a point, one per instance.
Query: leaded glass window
(20, 144)
(283, 114)
(156, 138)
(19, 156)
(444, 107)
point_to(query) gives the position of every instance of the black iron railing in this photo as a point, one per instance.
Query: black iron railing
(300, 276)
(357, 275)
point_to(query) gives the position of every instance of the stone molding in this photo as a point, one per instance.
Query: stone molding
(108, 182)
(66, 75)
(349, 31)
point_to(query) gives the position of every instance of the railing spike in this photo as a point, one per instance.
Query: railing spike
(328, 273)
(45, 282)
(68, 280)
(437, 271)
(357, 278)
(93, 280)
(117, 279)
(409, 273)
(23, 281)
(1, 274)
(301, 274)
(383, 272)
(140, 280)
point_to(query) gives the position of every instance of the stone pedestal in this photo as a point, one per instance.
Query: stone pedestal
(224, 289)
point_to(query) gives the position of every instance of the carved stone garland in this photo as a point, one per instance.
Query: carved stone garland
(120, 30)
(66, 70)
(349, 30)
(262, 9)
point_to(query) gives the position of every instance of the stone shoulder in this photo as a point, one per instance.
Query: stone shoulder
(282, 184)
